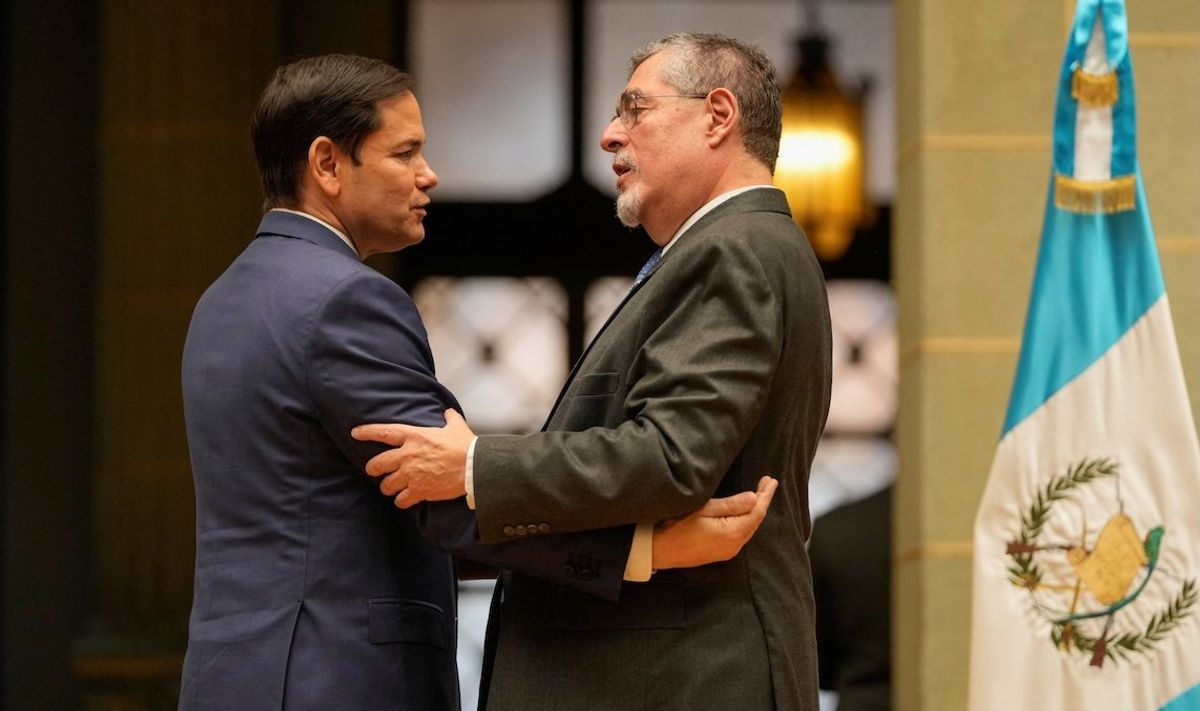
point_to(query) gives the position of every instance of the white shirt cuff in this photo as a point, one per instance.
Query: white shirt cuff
(469, 477)
(641, 554)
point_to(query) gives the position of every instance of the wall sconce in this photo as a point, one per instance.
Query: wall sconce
(821, 153)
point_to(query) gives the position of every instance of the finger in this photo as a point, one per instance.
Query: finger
(392, 434)
(406, 499)
(764, 499)
(385, 462)
(736, 505)
(394, 483)
(453, 418)
(762, 483)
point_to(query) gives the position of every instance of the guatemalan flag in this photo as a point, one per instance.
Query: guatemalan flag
(1087, 541)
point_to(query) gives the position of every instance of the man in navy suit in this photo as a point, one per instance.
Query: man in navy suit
(312, 591)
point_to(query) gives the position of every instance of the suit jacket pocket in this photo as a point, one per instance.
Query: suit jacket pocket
(392, 620)
(597, 384)
(642, 607)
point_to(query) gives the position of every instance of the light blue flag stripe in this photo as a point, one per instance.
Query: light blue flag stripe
(1124, 116)
(1187, 701)
(1096, 274)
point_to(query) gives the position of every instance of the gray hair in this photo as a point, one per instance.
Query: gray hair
(699, 63)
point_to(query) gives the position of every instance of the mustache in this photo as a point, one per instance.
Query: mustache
(622, 160)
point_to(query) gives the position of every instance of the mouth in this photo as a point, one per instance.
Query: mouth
(622, 168)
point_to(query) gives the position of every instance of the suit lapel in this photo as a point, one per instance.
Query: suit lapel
(765, 200)
(575, 368)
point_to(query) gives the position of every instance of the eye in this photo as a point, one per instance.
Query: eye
(628, 109)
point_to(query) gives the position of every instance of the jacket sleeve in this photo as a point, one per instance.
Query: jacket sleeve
(370, 361)
(709, 347)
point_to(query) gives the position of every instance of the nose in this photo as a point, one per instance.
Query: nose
(426, 178)
(613, 137)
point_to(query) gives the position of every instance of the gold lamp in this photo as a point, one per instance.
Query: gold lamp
(821, 161)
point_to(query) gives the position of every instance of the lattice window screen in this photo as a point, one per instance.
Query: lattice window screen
(599, 301)
(865, 363)
(499, 344)
(856, 458)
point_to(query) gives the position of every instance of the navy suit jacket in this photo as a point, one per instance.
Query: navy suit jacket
(312, 590)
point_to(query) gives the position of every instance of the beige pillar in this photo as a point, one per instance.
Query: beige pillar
(976, 98)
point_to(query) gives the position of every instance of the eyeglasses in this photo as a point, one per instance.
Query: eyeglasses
(629, 111)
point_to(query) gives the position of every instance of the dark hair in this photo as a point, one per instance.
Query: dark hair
(699, 63)
(333, 95)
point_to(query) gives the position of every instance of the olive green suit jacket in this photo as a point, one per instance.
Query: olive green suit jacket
(714, 371)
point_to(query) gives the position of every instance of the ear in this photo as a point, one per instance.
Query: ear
(723, 116)
(324, 166)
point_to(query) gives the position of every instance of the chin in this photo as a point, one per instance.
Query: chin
(404, 240)
(629, 207)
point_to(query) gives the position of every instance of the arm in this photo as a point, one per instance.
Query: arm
(708, 350)
(714, 533)
(370, 360)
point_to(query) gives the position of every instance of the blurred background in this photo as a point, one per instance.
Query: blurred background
(916, 154)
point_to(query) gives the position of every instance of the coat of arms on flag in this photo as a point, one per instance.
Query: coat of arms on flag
(1078, 582)
(1087, 540)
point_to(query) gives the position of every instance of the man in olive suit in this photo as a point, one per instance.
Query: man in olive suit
(714, 370)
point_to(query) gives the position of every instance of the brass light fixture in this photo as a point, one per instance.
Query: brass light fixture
(821, 153)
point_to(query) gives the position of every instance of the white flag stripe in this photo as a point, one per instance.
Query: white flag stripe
(1130, 406)
(1093, 124)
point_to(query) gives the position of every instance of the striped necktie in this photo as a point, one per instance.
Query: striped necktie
(648, 267)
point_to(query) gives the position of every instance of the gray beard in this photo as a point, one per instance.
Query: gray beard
(629, 207)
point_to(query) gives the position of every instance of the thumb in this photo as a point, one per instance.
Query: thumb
(736, 505)
(453, 418)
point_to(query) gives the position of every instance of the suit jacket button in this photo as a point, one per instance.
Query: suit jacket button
(568, 570)
(543, 528)
(532, 528)
(520, 530)
(585, 574)
(508, 531)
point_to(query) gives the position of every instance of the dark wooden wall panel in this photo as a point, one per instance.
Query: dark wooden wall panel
(49, 170)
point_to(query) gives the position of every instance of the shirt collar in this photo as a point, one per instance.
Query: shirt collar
(709, 207)
(341, 235)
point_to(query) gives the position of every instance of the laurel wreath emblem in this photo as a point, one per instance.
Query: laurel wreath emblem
(1025, 572)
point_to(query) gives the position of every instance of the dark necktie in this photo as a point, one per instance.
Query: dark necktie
(648, 267)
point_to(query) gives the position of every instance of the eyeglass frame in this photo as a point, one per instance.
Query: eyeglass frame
(626, 105)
